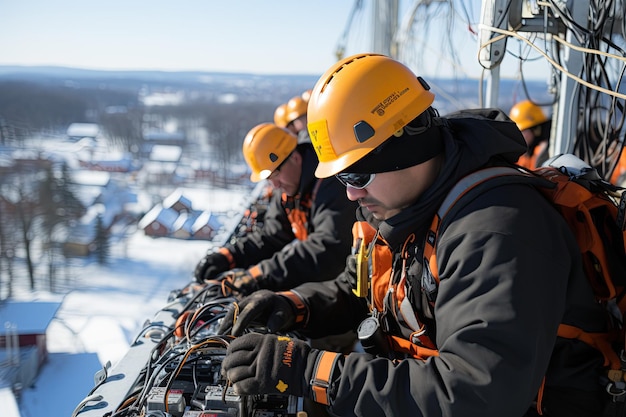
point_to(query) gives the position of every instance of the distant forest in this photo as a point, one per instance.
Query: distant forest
(48, 100)
(34, 101)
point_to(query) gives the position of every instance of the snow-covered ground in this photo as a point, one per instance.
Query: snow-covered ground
(106, 308)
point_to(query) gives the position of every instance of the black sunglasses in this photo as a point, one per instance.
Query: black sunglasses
(358, 181)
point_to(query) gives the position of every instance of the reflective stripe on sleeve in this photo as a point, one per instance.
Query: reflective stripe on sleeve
(255, 271)
(324, 365)
(302, 311)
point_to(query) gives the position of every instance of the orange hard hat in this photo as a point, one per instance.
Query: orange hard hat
(306, 95)
(527, 114)
(358, 104)
(296, 107)
(265, 147)
(280, 115)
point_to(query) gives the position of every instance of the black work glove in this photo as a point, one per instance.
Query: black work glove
(210, 266)
(267, 364)
(275, 311)
(240, 281)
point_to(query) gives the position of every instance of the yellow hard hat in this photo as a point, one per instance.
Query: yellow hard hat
(265, 147)
(358, 104)
(280, 115)
(296, 107)
(527, 114)
(306, 95)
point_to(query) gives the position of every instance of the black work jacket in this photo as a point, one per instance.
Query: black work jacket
(510, 273)
(286, 262)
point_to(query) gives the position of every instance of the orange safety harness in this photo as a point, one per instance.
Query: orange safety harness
(375, 276)
(298, 209)
(596, 221)
(374, 270)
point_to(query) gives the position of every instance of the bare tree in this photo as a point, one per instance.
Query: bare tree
(102, 244)
(6, 248)
(228, 125)
(25, 203)
(57, 207)
(35, 202)
(123, 128)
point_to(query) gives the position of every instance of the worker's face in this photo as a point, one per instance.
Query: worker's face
(390, 192)
(287, 177)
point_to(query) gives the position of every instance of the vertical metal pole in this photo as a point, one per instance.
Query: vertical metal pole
(494, 14)
(385, 25)
(493, 87)
(565, 117)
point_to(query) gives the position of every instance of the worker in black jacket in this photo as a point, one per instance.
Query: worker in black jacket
(306, 233)
(482, 341)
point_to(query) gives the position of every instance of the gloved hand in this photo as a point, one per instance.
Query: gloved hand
(267, 364)
(210, 266)
(240, 281)
(275, 311)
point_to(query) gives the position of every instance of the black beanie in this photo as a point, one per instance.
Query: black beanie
(416, 143)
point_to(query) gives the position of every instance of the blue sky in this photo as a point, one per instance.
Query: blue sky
(246, 36)
(260, 36)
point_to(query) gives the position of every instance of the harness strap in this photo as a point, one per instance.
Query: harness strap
(298, 221)
(320, 381)
(255, 271)
(419, 336)
(600, 341)
(298, 211)
(399, 344)
(460, 189)
(539, 405)
(469, 181)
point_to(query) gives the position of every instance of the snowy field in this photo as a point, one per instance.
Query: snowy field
(106, 308)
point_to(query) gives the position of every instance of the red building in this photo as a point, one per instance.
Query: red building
(23, 348)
